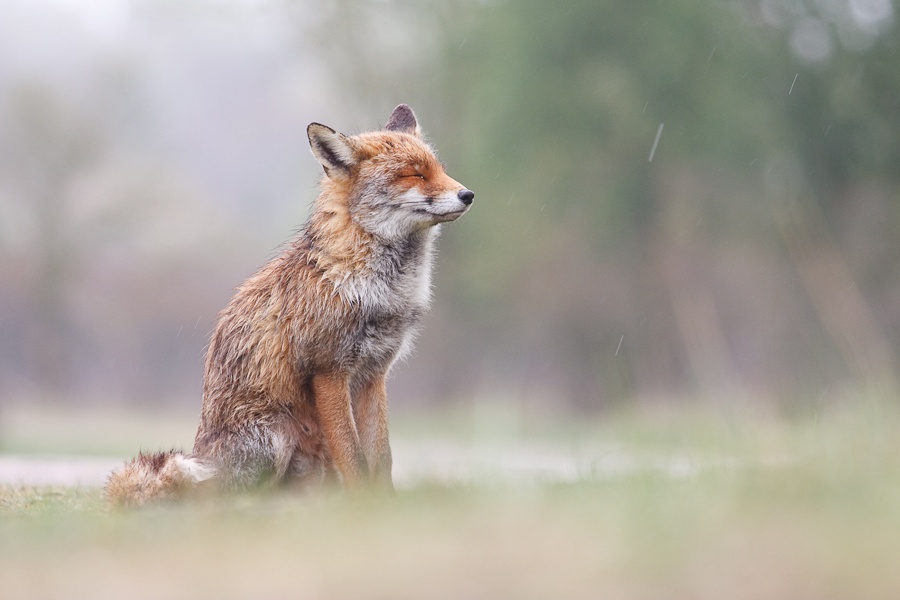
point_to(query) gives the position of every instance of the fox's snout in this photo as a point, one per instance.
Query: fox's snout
(466, 196)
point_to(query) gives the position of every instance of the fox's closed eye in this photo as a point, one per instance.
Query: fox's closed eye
(419, 175)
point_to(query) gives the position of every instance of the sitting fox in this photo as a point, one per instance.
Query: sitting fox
(294, 386)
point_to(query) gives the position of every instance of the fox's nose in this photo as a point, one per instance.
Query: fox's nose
(466, 196)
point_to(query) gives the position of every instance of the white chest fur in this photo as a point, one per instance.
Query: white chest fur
(390, 295)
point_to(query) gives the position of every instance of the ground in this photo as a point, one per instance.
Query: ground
(637, 506)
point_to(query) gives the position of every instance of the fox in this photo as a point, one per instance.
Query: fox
(294, 387)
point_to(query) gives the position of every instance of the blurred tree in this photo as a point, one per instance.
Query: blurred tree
(841, 118)
(92, 238)
(621, 152)
(680, 197)
(45, 146)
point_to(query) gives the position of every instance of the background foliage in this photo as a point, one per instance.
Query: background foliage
(674, 199)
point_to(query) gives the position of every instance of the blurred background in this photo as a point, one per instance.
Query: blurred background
(677, 200)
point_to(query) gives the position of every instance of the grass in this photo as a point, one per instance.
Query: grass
(808, 508)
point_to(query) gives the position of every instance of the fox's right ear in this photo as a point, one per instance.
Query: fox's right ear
(331, 148)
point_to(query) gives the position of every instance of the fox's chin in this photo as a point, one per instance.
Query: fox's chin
(438, 218)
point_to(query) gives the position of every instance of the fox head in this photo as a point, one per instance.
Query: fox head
(391, 180)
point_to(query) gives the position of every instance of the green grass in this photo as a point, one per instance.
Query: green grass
(808, 508)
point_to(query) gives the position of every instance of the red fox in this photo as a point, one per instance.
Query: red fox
(294, 384)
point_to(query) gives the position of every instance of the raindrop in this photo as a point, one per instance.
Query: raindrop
(655, 142)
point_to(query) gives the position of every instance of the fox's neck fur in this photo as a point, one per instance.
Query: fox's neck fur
(365, 269)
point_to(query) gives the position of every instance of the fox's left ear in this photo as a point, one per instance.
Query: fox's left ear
(332, 149)
(403, 119)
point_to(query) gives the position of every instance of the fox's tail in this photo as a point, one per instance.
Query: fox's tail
(158, 476)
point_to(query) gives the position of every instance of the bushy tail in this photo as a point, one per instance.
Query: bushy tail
(157, 476)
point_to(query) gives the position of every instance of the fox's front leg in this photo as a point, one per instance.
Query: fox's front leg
(370, 408)
(333, 405)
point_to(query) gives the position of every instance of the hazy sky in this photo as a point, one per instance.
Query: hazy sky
(221, 95)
